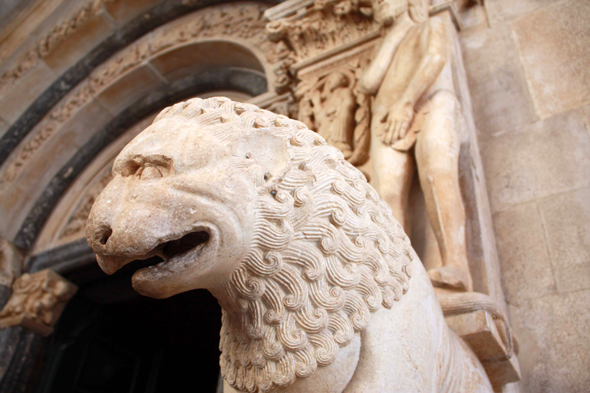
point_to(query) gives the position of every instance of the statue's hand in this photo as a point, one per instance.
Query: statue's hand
(397, 121)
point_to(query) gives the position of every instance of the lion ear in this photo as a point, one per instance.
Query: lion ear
(267, 149)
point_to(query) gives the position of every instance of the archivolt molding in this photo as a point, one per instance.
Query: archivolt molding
(240, 23)
(62, 30)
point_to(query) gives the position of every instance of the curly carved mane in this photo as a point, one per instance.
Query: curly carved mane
(326, 253)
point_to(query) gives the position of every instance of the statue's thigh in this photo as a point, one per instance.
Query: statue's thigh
(438, 143)
(392, 171)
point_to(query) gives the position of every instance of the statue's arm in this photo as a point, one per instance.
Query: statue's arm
(373, 77)
(433, 45)
(434, 42)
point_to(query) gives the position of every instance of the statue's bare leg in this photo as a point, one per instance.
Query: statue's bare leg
(393, 172)
(437, 156)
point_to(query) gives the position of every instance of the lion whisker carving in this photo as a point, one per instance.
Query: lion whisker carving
(319, 286)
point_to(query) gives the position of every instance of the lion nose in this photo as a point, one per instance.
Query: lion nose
(104, 234)
(99, 237)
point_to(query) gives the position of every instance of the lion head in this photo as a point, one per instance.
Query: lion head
(296, 245)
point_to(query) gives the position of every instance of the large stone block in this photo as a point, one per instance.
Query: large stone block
(499, 93)
(526, 267)
(541, 159)
(553, 43)
(566, 219)
(505, 10)
(554, 349)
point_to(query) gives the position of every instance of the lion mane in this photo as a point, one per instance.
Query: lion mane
(326, 253)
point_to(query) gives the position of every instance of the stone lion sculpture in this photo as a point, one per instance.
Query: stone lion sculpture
(319, 286)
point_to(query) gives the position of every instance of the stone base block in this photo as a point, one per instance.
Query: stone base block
(487, 337)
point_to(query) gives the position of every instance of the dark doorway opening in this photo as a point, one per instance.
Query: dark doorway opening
(112, 340)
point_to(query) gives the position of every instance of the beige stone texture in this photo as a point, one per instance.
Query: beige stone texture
(129, 88)
(553, 334)
(28, 88)
(75, 46)
(566, 218)
(540, 159)
(537, 177)
(506, 10)
(123, 11)
(4, 126)
(553, 44)
(499, 92)
(526, 268)
(189, 59)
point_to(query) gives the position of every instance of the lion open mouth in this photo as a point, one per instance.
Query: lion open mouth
(188, 246)
(176, 248)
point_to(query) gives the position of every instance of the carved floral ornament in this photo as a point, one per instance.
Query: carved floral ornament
(37, 301)
(242, 23)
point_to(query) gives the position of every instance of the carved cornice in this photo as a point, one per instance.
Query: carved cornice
(311, 29)
(37, 301)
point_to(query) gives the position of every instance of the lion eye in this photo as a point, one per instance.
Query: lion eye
(150, 172)
(146, 167)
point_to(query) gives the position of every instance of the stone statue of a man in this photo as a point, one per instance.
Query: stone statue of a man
(416, 120)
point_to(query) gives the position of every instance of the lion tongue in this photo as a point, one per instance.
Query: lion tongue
(186, 243)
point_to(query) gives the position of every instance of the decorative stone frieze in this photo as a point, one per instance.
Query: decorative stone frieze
(37, 301)
(314, 29)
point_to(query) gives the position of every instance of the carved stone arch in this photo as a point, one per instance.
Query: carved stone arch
(170, 63)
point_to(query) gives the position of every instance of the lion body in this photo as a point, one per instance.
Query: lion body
(324, 292)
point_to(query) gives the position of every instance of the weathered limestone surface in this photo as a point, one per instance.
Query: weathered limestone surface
(530, 69)
(553, 43)
(526, 267)
(545, 157)
(566, 219)
(552, 331)
(497, 85)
